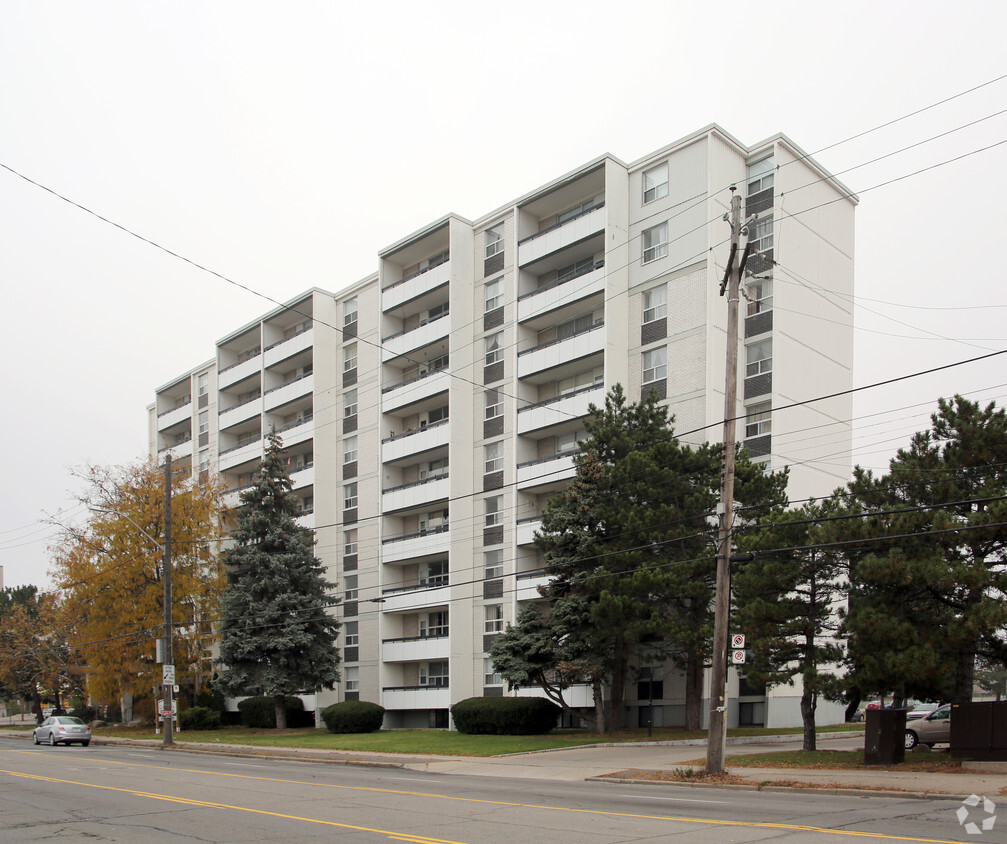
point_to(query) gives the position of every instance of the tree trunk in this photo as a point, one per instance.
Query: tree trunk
(281, 712)
(617, 691)
(964, 676)
(693, 691)
(126, 705)
(600, 723)
(852, 706)
(809, 703)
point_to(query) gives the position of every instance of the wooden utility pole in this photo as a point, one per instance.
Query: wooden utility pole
(169, 662)
(722, 605)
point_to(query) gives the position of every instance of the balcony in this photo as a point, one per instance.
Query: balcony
(398, 548)
(572, 405)
(416, 441)
(416, 697)
(415, 649)
(561, 293)
(178, 449)
(231, 375)
(299, 431)
(414, 390)
(250, 449)
(303, 476)
(240, 412)
(562, 235)
(288, 346)
(548, 472)
(417, 597)
(427, 332)
(415, 285)
(167, 418)
(288, 392)
(527, 585)
(306, 518)
(558, 352)
(526, 529)
(415, 494)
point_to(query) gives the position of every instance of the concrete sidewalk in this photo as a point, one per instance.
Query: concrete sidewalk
(633, 763)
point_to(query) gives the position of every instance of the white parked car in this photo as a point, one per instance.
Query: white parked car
(62, 729)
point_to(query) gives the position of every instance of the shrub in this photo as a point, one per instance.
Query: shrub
(210, 699)
(353, 716)
(87, 714)
(199, 718)
(505, 716)
(260, 712)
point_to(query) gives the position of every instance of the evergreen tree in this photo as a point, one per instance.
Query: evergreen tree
(786, 605)
(925, 605)
(277, 636)
(628, 545)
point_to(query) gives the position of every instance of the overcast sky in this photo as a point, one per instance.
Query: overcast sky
(282, 145)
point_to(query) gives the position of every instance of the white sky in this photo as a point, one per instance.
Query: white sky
(284, 144)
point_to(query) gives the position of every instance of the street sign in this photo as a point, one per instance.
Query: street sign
(738, 657)
(737, 640)
(165, 713)
(168, 675)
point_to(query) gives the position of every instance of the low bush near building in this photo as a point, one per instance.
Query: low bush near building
(353, 716)
(199, 718)
(505, 716)
(260, 712)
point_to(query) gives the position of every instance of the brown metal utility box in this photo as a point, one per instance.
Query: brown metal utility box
(979, 730)
(885, 737)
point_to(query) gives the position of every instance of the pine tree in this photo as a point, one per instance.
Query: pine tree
(277, 636)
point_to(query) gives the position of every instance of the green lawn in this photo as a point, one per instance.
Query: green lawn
(427, 742)
(835, 759)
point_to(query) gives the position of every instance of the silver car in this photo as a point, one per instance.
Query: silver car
(62, 729)
(930, 729)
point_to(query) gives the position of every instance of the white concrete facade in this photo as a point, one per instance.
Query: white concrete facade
(430, 410)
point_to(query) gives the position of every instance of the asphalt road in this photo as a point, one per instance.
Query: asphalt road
(138, 795)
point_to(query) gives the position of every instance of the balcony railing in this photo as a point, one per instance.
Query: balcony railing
(420, 482)
(242, 444)
(241, 403)
(435, 633)
(558, 282)
(431, 584)
(440, 529)
(295, 423)
(412, 431)
(288, 383)
(300, 330)
(243, 358)
(418, 325)
(188, 400)
(597, 325)
(555, 226)
(560, 397)
(414, 379)
(558, 455)
(413, 275)
(439, 683)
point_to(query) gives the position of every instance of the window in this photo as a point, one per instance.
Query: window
(202, 383)
(438, 310)
(350, 357)
(568, 442)
(576, 211)
(307, 504)
(655, 365)
(350, 496)
(438, 259)
(491, 677)
(494, 354)
(574, 326)
(494, 406)
(435, 624)
(204, 460)
(494, 294)
(351, 633)
(760, 234)
(350, 450)
(350, 541)
(655, 243)
(437, 363)
(435, 520)
(437, 414)
(760, 296)
(350, 403)
(655, 303)
(655, 183)
(493, 618)
(759, 358)
(493, 515)
(434, 674)
(760, 175)
(758, 419)
(585, 265)
(351, 679)
(579, 381)
(494, 241)
(494, 457)
(204, 421)
(435, 469)
(350, 587)
(434, 574)
(493, 561)
(350, 311)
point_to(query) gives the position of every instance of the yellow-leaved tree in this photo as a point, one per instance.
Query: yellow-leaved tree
(111, 572)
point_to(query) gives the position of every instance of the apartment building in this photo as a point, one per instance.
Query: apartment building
(431, 409)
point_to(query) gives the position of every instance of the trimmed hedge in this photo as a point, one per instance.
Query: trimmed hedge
(505, 716)
(353, 716)
(199, 718)
(260, 712)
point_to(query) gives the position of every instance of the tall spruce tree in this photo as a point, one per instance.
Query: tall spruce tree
(786, 606)
(277, 637)
(629, 545)
(926, 604)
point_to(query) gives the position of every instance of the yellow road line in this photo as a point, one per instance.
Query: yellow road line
(680, 819)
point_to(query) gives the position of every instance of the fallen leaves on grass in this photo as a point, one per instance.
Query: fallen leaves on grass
(690, 775)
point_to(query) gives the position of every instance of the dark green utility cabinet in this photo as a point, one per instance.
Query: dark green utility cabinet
(979, 730)
(885, 737)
